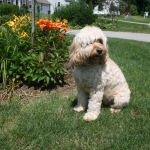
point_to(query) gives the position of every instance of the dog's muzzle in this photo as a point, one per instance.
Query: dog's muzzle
(96, 56)
(99, 51)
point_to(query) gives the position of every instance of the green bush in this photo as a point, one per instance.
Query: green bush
(78, 13)
(133, 10)
(105, 24)
(5, 18)
(9, 9)
(12, 50)
(23, 10)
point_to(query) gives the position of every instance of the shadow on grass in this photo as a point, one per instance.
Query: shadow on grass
(74, 102)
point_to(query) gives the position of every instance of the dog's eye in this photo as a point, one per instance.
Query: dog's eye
(100, 41)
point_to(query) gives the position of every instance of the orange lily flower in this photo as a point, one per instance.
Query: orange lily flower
(65, 29)
(42, 26)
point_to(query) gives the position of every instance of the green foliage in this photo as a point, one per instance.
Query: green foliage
(78, 13)
(12, 48)
(23, 10)
(105, 24)
(44, 63)
(8, 9)
(38, 11)
(147, 8)
(5, 18)
(133, 10)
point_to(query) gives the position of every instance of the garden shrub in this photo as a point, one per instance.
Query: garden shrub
(5, 18)
(9, 9)
(42, 63)
(78, 13)
(105, 24)
(133, 10)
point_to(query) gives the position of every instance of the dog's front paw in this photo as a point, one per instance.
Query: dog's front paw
(79, 108)
(113, 110)
(90, 116)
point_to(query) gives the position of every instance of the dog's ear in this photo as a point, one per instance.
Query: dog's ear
(75, 56)
(104, 56)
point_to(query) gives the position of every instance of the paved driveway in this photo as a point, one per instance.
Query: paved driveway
(122, 35)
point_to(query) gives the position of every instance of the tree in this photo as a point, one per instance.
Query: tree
(142, 6)
(123, 7)
(133, 10)
(70, 1)
(147, 6)
(113, 9)
(33, 22)
(95, 3)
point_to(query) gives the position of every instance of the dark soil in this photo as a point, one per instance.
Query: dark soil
(24, 92)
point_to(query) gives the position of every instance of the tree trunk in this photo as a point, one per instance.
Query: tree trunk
(33, 23)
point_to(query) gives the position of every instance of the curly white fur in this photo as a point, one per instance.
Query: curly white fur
(98, 78)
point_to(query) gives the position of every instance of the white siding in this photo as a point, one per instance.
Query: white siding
(55, 3)
(44, 8)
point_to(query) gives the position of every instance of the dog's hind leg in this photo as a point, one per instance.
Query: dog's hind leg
(82, 101)
(120, 100)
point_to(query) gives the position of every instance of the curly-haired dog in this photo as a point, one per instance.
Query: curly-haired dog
(98, 78)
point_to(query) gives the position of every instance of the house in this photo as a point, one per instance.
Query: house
(46, 6)
(17, 2)
(58, 3)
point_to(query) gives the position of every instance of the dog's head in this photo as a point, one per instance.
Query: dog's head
(89, 47)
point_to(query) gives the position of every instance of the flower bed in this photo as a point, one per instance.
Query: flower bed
(41, 63)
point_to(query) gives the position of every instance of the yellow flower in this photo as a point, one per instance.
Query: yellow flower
(13, 29)
(15, 18)
(57, 20)
(65, 21)
(24, 34)
(22, 18)
(10, 23)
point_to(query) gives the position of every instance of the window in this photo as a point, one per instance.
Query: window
(23, 2)
(58, 4)
(8, 1)
(30, 4)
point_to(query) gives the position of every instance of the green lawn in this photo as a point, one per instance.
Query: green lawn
(131, 27)
(50, 123)
(134, 19)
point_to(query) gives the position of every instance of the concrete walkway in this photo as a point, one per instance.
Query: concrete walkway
(122, 35)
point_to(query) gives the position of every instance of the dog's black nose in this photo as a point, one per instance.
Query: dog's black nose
(99, 51)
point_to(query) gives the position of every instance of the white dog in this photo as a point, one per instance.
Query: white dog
(98, 78)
